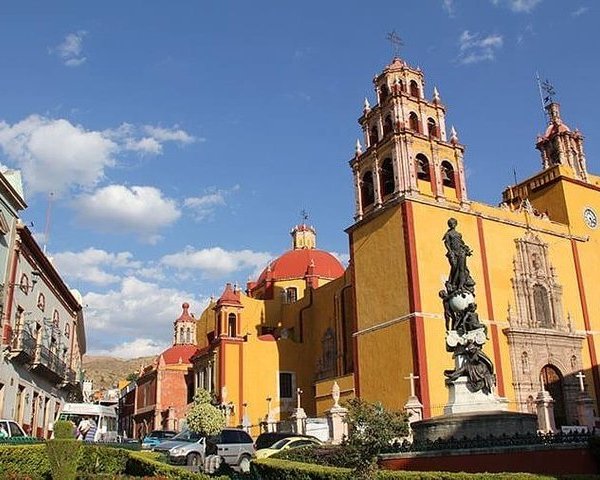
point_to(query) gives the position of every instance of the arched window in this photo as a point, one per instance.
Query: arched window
(432, 128)
(573, 362)
(41, 302)
(386, 178)
(373, 135)
(188, 335)
(413, 122)
(232, 325)
(400, 85)
(291, 294)
(367, 191)
(388, 125)
(67, 330)
(414, 89)
(24, 284)
(181, 335)
(383, 92)
(448, 174)
(541, 305)
(422, 165)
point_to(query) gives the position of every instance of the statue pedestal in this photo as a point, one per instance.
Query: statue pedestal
(585, 411)
(461, 400)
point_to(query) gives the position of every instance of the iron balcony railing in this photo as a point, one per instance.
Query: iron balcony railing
(49, 360)
(24, 342)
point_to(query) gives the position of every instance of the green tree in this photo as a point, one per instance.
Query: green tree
(371, 430)
(204, 418)
(132, 377)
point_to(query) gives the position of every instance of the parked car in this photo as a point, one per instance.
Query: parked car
(156, 437)
(11, 429)
(286, 444)
(265, 440)
(234, 446)
(182, 438)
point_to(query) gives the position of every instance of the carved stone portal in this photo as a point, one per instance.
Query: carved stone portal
(542, 346)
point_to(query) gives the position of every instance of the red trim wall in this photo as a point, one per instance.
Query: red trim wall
(586, 318)
(553, 461)
(417, 328)
(354, 321)
(490, 308)
(241, 381)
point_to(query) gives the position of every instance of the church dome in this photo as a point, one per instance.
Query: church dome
(296, 263)
(179, 354)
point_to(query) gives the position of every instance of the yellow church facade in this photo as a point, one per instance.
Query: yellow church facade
(307, 322)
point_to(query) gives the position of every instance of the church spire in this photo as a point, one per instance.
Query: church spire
(561, 146)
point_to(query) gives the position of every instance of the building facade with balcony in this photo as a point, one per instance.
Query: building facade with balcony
(43, 334)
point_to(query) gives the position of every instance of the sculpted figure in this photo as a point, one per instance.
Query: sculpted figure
(477, 367)
(457, 252)
(470, 320)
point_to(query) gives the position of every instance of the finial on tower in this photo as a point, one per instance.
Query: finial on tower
(366, 106)
(358, 148)
(453, 135)
(396, 42)
(436, 95)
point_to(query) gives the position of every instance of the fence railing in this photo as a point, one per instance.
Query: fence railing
(44, 356)
(25, 342)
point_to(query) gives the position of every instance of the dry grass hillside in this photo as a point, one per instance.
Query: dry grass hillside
(107, 371)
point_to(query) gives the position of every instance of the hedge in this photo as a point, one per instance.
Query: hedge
(95, 461)
(276, 469)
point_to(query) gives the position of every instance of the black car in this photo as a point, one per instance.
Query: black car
(265, 440)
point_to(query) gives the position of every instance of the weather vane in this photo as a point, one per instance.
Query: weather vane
(547, 92)
(395, 41)
(304, 215)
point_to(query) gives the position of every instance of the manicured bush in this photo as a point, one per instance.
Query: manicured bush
(99, 459)
(277, 469)
(63, 455)
(25, 460)
(140, 465)
(204, 418)
(64, 429)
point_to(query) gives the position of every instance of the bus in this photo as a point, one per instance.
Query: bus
(104, 417)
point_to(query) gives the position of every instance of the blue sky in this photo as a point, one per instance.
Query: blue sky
(181, 140)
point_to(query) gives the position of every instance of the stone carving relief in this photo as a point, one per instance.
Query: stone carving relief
(538, 335)
(326, 365)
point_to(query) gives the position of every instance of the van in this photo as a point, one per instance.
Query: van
(104, 417)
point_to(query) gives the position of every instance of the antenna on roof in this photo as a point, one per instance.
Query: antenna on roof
(48, 214)
(396, 42)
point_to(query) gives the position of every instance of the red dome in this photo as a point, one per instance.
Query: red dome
(172, 355)
(295, 264)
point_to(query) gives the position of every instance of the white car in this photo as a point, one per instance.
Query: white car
(10, 429)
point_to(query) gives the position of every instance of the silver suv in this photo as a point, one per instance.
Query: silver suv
(234, 446)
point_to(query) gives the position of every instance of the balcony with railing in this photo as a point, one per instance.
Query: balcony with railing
(23, 346)
(48, 364)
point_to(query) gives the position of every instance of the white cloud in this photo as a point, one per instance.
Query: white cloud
(580, 11)
(204, 206)
(142, 312)
(475, 48)
(55, 154)
(118, 208)
(148, 139)
(344, 258)
(449, 6)
(519, 6)
(140, 347)
(70, 51)
(174, 134)
(93, 265)
(215, 261)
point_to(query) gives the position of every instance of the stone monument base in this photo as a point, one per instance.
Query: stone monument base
(471, 425)
(461, 400)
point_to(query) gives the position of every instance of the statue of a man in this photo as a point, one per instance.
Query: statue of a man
(457, 252)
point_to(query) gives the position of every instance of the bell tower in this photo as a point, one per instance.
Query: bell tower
(561, 146)
(407, 149)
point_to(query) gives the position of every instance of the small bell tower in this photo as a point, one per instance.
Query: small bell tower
(407, 149)
(184, 328)
(561, 146)
(304, 237)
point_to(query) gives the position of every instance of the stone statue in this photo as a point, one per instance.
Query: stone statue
(457, 251)
(470, 321)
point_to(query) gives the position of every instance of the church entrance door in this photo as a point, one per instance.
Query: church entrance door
(553, 383)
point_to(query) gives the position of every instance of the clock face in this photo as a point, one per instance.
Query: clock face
(590, 217)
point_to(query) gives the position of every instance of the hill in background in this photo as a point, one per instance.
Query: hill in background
(105, 372)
